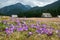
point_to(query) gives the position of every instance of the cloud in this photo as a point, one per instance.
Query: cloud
(26, 2)
(8, 2)
(3, 1)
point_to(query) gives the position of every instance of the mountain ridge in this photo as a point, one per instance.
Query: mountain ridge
(26, 10)
(14, 9)
(53, 8)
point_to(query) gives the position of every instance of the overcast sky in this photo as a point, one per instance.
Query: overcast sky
(26, 2)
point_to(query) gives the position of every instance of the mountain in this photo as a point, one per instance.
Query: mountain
(26, 10)
(53, 8)
(29, 7)
(53, 5)
(14, 9)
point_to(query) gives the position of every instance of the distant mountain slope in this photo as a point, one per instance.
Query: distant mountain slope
(26, 10)
(53, 8)
(14, 9)
(53, 5)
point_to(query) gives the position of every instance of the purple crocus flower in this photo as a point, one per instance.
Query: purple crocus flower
(25, 28)
(18, 23)
(20, 29)
(57, 31)
(8, 32)
(42, 30)
(49, 32)
(44, 25)
(33, 26)
(38, 31)
(30, 33)
(24, 25)
(16, 27)
(37, 27)
(11, 29)
(12, 25)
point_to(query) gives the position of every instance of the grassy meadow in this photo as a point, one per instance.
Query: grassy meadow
(29, 29)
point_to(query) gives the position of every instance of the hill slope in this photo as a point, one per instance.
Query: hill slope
(53, 8)
(14, 9)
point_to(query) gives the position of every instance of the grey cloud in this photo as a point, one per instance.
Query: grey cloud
(3, 1)
(25, 2)
(46, 0)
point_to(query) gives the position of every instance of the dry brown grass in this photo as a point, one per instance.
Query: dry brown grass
(43, 19)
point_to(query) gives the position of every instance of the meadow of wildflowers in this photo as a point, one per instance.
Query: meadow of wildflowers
(16, 29)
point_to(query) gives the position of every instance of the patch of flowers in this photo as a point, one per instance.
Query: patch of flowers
(16, 25)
